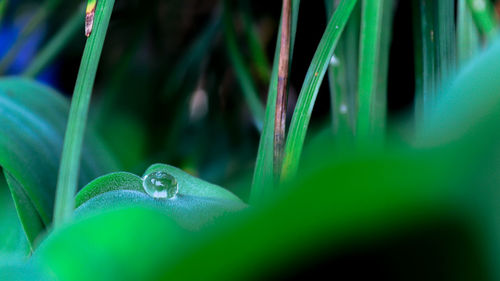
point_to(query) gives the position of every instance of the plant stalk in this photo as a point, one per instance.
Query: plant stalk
(282, 96)
(73, 139)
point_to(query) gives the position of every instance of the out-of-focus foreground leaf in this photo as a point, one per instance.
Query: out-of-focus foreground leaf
(33, 119)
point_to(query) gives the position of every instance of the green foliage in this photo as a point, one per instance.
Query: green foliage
(310, 88)
(13, 240)
(33, 119)
(344, 196)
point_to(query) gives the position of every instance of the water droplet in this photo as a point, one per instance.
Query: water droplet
(336, 27)
(343, 108)
(160, 185)
(334, 61)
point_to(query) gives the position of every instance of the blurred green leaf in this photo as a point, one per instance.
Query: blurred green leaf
(33, 119)
(385, 196)
(13, 240)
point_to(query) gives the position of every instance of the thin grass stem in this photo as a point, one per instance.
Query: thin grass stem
(73, 140)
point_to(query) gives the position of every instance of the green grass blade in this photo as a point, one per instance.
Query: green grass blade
(241, 69)
(371, 28)
(446, 41)
(263, 178)
(73, 140)
(193, 56)
(380, 102)
(45, 11)
(438, 50)
(56, 44)
(485, 17)
(312, 83)
(259, 58)
(468, 35)
(342, 75)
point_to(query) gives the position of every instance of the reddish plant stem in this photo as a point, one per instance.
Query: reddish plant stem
(282, 94)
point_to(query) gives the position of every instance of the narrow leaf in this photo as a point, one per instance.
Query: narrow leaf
(310, 88)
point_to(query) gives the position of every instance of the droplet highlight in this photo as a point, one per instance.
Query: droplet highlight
(160, 185)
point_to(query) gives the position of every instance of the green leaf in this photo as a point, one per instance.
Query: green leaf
(468, 114)
(13, 240)
(310, 88)
(33, 119)
(189, 185)
(107, 183)
(196, 203)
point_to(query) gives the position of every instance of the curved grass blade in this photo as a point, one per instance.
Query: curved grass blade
(263, 179)
(242, 73)
(73, 140)
(55, 45)
(43, 13)
(484, 17)
(468, 35)
(312, 83)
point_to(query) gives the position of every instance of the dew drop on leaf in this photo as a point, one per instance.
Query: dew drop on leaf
(160, 185)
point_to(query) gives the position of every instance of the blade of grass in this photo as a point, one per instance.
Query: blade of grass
(70, 160)
(282, 94)
(43, 12)
(418, 59)
(56, 44)
(380, 102)
(263, 180)
(310, 88)
(193, 56)
(485, 17)
(338, 81)
(259, 58)
(468, 35)
(241, 69)
(438, 49)
(371, 28)
(446, 41)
